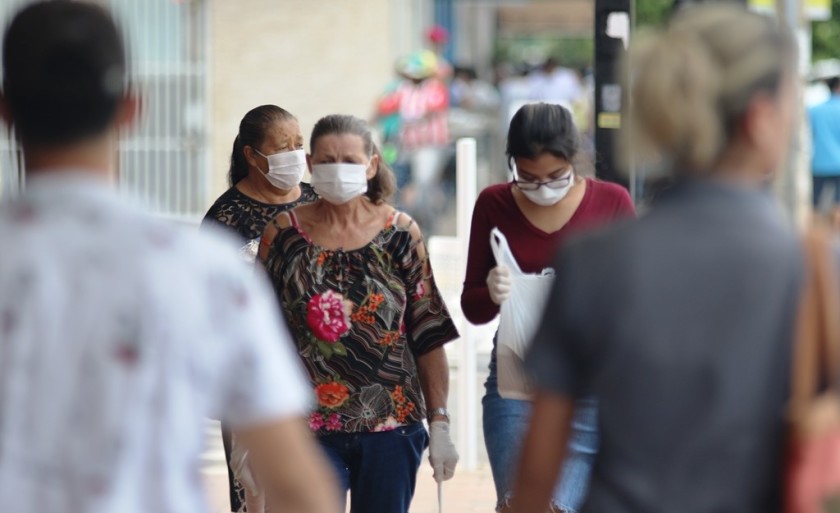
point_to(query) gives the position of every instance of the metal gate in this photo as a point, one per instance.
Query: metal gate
(11, 159)
(163, 161)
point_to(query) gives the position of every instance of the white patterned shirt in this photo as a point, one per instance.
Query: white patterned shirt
(119, 335)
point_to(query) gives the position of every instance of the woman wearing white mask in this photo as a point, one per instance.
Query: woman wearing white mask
(544, 204)
(266, 168)
(354, 280)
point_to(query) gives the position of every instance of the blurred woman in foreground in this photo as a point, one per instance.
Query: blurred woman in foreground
(682, 323)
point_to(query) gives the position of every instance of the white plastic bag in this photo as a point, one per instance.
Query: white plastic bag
(518, 320)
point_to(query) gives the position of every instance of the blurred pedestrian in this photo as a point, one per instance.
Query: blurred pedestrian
(424, 136)
(266, 168)
(553, 83)
(682, 323)
(825, 162)
(546, 203)
(121, 333)
(469, 92)
(354, 279)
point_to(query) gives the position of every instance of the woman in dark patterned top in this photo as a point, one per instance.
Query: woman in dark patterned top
(266, 167)
(354, 280)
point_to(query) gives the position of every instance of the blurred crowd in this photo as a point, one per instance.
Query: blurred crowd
(430, 103)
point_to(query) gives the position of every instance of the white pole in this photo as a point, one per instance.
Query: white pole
(466, 169)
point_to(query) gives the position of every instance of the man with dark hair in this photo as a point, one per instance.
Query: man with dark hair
(119, 333)
(825, 163)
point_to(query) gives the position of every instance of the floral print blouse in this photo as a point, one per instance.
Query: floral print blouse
(360, 318)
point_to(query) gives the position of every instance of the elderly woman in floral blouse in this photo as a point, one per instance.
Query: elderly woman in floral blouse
(355, 283)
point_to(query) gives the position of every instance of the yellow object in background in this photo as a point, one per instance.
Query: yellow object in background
(814, 10)
(611, 120)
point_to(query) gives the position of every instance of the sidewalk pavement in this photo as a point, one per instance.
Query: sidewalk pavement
(467, 492)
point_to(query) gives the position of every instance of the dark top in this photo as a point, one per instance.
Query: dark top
(360, 318)
(247, 216)
(533, 248)
(682, 324)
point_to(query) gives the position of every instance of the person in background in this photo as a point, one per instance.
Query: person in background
(470, 93)
(825, 163)
(545, 205)
(354, 279)
(266, 168)
(120, 333)
(555, 84)
(682, 323)
(424, 136)
(388, 123)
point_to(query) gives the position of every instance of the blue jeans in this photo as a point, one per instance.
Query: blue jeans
(820, 183)
(379, 469)
(505, 423)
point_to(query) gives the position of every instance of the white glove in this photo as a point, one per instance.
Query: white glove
(442, 453)
(498, 283)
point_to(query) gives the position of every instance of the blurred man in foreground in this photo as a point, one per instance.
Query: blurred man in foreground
(119, 333)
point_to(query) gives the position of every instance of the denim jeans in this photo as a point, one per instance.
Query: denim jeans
(505, 422)
(379, 469)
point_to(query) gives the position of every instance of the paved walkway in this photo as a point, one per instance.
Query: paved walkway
(467, 492)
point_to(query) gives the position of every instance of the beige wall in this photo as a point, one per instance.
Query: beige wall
(312, 57)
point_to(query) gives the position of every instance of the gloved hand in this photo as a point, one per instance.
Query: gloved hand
(498, 283)
(442, 453)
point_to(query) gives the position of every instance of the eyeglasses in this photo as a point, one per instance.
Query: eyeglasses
(557, 183)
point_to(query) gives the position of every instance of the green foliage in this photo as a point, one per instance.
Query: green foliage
(573, 52)
(826, 35)
(652, 12)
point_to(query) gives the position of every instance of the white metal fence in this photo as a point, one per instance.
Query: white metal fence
(164, 160)
(11, 160)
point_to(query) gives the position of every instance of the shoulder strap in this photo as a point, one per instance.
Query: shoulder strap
(293, 218)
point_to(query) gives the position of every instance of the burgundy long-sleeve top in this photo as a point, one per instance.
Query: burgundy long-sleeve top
(533, 248)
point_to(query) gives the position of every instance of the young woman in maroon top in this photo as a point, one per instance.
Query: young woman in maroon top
(544, 205)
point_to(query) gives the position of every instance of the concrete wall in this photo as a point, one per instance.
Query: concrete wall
(311, 57)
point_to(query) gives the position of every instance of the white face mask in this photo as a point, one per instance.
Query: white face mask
(285, 169)
(546, 197)
(339, 183)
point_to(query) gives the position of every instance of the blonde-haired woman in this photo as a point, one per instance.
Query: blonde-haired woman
(681, 322)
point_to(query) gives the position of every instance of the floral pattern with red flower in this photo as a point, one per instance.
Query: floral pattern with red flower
(316, 421)
(373, 350)
(328, 316)
(404, 407)
(364, 314)
(334, 422)
(420, 291)
(390, 338)
(332, 395)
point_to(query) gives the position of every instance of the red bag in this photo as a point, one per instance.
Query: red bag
(812, 474)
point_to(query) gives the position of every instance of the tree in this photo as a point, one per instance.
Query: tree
(826, 36)
(653, 12)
